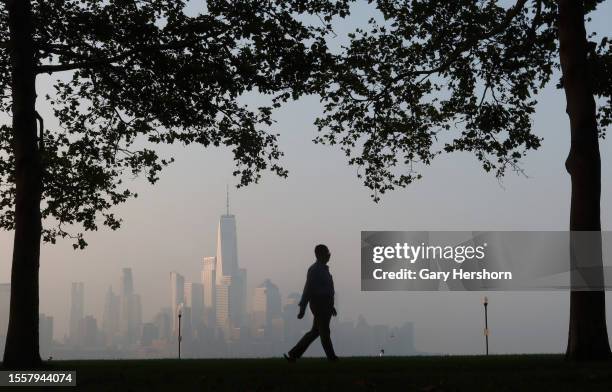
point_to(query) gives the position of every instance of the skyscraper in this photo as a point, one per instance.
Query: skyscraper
(230, 279)
(88, 332)
(227, 246)
(130, 316)
(45, 328)
(186, 329)
(126, 284)
(209, 283)
(222, 320)
(194, 298)
(163, 322)
(266, 304)
(150, 332)
(77, 306)
(126, 289)
(177, 296)
(238, 298)
(110, 316)
(259, 308)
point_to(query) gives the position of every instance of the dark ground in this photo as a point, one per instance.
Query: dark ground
(425, 374)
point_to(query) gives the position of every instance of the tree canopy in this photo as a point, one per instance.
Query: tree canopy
(431, 77)
(133, 74)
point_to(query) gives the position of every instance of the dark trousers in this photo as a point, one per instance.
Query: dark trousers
(322, 312)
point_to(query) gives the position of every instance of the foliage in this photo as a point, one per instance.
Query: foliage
(433, 77)
(136, 73)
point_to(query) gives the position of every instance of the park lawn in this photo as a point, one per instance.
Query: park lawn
(426, 374)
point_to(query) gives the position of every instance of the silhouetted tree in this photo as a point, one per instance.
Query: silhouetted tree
(432, 77)
(132, 74)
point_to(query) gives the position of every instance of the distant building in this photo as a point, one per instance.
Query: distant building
(150, 332)
(222, 304)
(293, 299)
(5, 306)
(208, 283)
(45, 328)
(177, 295)
(130, 321)
(230, 279)
(77, 309)
(194, 299)
(227, 247)
(293, 328)
(88, 332)
(276, 329)
(401, 340)
(259, 308)
(186, 322)
(266, 304)
(130, 314)
(110, 316)
(238, 313)
(126, 284)
(163, 322)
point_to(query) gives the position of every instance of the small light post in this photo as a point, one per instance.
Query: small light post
(179, 329)
(485, 302)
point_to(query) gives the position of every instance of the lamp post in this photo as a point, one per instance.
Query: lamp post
(485, 302)
(180, 308)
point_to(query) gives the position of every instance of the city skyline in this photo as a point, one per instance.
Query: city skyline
(271, 327)
(263, 326)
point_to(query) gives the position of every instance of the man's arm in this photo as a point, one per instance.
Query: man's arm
(306, 294)
(334, 312)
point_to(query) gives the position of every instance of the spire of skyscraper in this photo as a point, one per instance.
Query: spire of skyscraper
(227, 199)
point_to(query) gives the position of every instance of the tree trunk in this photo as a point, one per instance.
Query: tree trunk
(588, 336)
(21, 350)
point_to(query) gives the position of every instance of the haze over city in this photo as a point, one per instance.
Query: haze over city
(172, 226)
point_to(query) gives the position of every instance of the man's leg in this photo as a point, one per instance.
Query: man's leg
(305, 341)
(325, 334)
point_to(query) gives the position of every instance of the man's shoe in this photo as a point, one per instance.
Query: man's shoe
(289, 358)
(334, 359)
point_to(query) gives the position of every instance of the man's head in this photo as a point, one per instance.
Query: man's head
(322, 253)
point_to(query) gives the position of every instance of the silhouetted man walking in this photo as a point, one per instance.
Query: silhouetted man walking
(319, 292)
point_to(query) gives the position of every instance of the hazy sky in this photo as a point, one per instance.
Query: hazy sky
(172, 225)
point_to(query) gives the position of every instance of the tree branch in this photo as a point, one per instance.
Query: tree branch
(93, 63)
(462, 47)
(100, 62)
(465, 45)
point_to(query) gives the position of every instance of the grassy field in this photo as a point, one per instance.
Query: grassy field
(426, 374)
